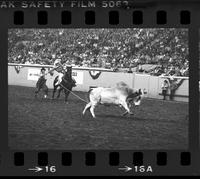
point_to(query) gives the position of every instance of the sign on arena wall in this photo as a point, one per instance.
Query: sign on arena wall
(78, 76)
(33, 74)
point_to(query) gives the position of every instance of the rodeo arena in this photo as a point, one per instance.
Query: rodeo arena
(118, 89)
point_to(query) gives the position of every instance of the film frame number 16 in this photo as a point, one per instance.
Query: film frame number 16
(47, 169)
(50, 169)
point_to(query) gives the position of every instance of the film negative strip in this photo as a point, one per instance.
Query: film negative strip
(99, 87)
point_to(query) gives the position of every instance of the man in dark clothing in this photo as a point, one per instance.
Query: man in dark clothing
(165, 87)
(41, 83)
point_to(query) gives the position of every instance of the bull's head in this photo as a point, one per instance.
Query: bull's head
(143, 92)
(136, 97)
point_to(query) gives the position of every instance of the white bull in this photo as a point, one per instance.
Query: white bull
(120, 95)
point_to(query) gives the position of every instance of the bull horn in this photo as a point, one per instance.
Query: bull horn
(125, 113)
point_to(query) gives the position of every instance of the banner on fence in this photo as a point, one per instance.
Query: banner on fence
(94, 74)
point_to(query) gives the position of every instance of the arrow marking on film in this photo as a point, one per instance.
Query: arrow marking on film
(36, 169)
(126, 169)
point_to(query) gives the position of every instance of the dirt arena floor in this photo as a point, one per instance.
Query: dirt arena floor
(42, 124)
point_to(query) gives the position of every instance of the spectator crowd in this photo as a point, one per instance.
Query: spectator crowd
(165, 49)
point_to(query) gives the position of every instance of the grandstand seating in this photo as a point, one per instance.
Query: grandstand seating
(116, 49)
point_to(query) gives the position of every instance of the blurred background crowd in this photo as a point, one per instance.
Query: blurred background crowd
(152, 51)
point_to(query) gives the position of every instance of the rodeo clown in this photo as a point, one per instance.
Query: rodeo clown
(41, 83)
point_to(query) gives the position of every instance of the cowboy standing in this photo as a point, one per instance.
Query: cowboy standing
(41, 83)
(165, 87)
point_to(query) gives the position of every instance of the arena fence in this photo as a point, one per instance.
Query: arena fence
(27, 75)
